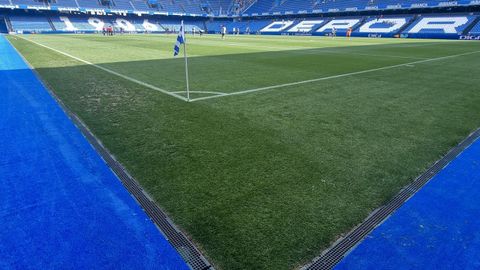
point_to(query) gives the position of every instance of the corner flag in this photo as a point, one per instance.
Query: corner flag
(180, 40)
(176, 50)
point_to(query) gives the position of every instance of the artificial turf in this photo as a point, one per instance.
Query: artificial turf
(267, 180)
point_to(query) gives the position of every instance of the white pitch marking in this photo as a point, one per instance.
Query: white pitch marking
(345, 52)
(309, 50)
(219, 94)
(334, 76)
(111, 71)
(201, 92)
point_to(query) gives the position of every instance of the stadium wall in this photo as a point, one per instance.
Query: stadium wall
(51, 22)
(445, 26)
(258, 8)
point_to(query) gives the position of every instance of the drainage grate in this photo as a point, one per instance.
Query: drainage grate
(336, 253)
(192, 256)
(178, 240)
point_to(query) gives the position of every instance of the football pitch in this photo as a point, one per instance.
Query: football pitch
(287, 142)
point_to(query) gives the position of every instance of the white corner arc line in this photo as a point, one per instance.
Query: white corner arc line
(332, 77)
(110, 71)
(200, 92)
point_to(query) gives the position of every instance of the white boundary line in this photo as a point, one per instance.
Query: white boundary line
(345, 52)
(333, 77)
(110, 71)
(201, 92)
(218, 94)
(306, 50)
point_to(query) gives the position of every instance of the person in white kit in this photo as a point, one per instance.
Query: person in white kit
(223, 31)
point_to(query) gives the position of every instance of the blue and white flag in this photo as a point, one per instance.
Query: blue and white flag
(180, 40)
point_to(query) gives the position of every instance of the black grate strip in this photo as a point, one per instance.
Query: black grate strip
(182, 244)
(178, 240)
(339, 249)
(192, 256)
(327, 260)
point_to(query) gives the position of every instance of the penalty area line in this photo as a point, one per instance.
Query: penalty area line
(172, 94)
(409, 64)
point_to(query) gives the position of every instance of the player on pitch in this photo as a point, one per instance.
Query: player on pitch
(349, 33)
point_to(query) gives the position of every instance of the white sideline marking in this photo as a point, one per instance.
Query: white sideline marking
(200, 92)
(309, 50)
(334, 76)
(220, 94)
(110, 71)
(345, 52)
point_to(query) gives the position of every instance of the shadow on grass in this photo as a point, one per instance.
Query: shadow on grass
(238, 72)
(268, 182)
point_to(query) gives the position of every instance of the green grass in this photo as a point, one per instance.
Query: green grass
(267, 180)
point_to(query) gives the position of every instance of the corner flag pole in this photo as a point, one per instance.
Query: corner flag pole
(186, 61)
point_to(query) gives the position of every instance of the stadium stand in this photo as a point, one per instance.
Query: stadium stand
(307, 26)
(366, 18)
(441, 26)
(192, 7)
(170, 6)
(173, 24)
(123, 4)
(60, 24)
(261, 6)
(140, 5)
(476, 29)
(246, 26)
(416, 26)
(244, 7)
(220, 7)
(341, 25)
(269, 16)
(67, 3)
(239, 6)
(96, 23)
(277, 26)
(30, 24)
(383, 25)
(305, 6)
(3, 25)
(64, 23)
(28, 2)
(293, 5)
(90, 4)
(147, 25)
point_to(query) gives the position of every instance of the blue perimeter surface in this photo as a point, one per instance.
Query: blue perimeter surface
(61, 207)
(438, 228)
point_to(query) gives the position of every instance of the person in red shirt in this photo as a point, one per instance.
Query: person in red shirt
(349, 33)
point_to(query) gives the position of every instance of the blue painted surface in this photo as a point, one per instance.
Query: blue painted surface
(438, 228)
(60, 205)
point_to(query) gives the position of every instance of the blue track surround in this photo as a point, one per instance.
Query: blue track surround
(438, 228)
(61, 207)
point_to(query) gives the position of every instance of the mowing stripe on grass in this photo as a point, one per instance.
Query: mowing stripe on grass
(375, 55)
(305, 50)
(218, 95)
(332, 256)
(110, 71)
(185, 247)
(334, 76)
(312, 50)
